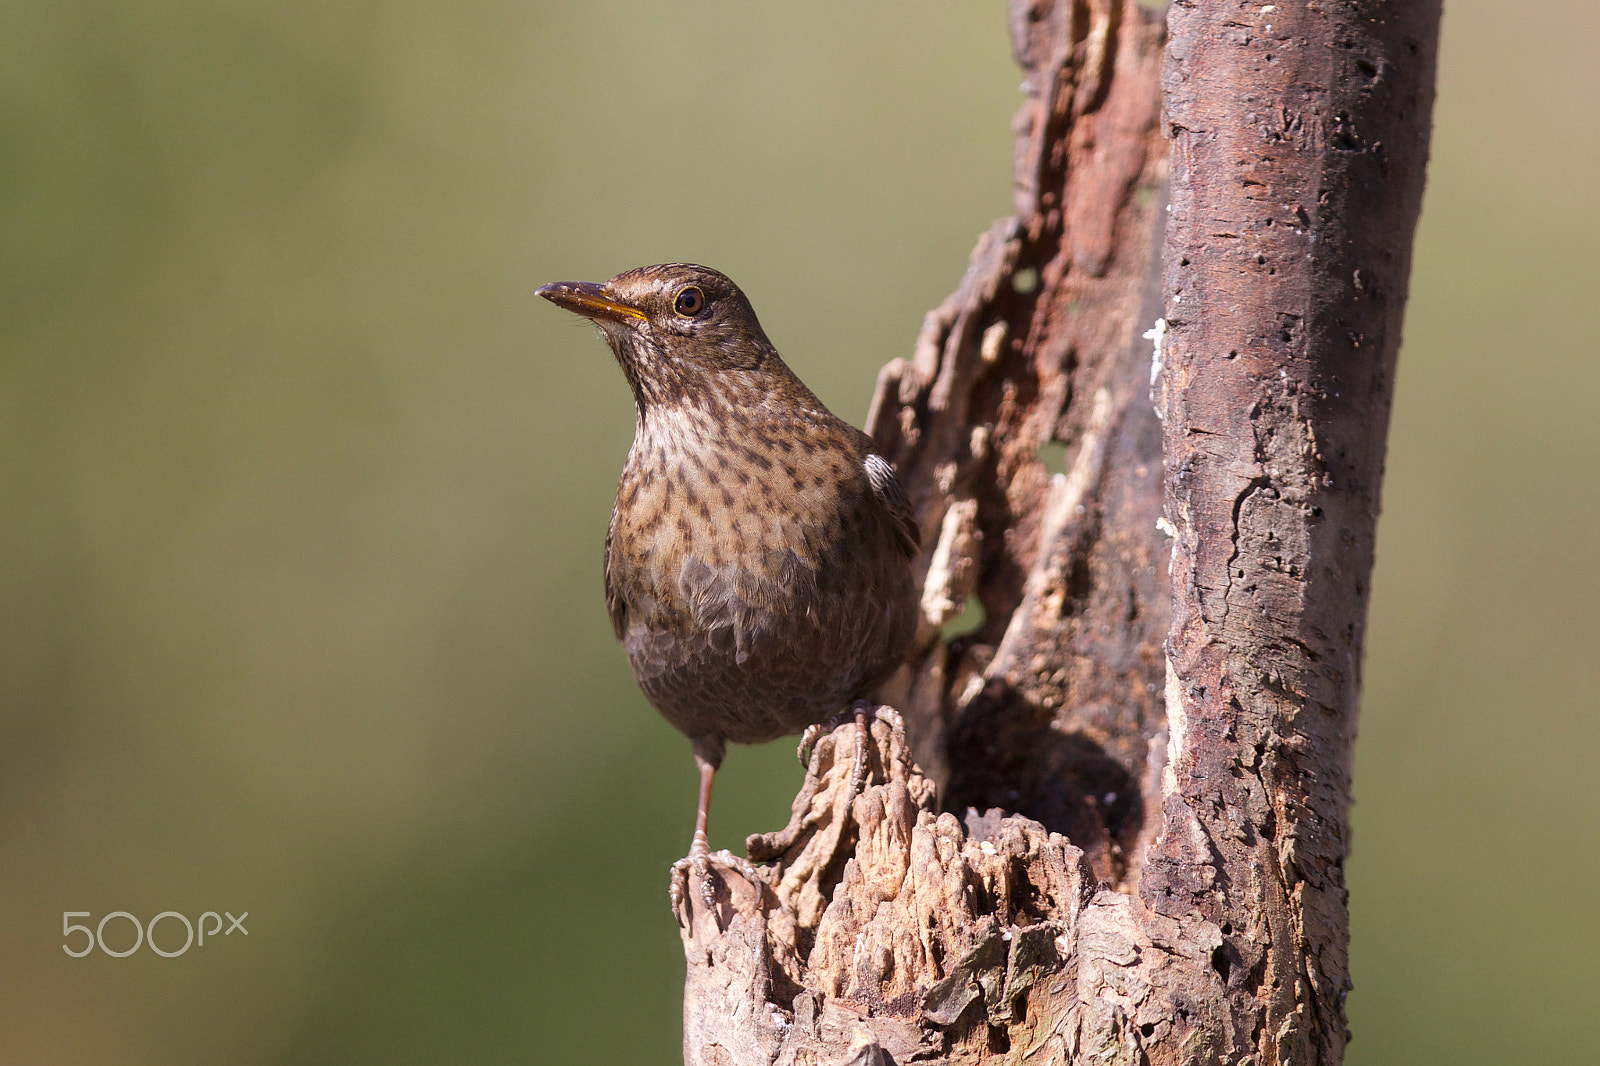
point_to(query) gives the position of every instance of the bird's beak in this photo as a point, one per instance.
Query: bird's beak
(588, 299)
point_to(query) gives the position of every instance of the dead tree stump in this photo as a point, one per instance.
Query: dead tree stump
(1116, 832)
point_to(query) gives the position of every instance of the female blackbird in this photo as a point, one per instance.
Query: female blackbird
(758, 564)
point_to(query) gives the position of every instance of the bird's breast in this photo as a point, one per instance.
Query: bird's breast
(749, 533)
(755, 569)
(692, 489)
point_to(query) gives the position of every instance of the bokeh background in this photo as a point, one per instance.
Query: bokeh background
(302, 495)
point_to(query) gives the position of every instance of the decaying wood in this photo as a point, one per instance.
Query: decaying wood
(1117, 830)
(1054, 700)
(925, 920)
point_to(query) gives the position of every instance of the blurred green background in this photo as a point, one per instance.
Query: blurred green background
(304, 495)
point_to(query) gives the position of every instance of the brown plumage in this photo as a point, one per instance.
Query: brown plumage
(758, 564)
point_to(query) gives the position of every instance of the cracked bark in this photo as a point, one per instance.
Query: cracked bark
(1115, 826)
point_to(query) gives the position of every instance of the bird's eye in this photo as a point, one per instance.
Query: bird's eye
(690, 302)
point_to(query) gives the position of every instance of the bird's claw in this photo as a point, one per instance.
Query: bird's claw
(697, 864)
(857, 715)
(809, 737)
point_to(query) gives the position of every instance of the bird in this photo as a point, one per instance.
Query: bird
(758, 562)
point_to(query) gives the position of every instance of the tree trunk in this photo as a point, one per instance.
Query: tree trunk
(1149, 732)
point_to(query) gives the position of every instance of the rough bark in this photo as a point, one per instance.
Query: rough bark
(1128, 845)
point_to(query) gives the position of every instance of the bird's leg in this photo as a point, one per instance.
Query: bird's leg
(698, 861)
(858, 772)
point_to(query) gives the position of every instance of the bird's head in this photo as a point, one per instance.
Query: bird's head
(678, 330)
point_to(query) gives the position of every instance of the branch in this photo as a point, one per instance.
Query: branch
(1300, 139)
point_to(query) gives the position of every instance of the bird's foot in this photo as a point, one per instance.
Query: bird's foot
(697, 866)
(856, 715)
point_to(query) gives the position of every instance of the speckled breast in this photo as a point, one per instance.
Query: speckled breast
(756, 585)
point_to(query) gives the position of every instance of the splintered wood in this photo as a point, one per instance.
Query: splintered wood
(881, 925)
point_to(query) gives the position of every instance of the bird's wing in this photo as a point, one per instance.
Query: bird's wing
(887, 488)
(615, 606)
